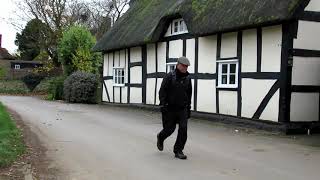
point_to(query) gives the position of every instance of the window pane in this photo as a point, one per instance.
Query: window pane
(224, 79)
(181, 25)
(122, 80)
(176, 24)
(232, 79)
(122, 72)
(233, 68)
(224, 68)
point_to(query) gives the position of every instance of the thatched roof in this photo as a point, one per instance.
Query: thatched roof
(5, 55)
(146, 20)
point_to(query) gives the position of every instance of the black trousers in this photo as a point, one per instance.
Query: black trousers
(169, 121)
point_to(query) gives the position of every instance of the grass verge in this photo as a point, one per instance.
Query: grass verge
(11, 141)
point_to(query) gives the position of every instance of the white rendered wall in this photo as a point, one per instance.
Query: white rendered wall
(271, 49)
(109, 84)
(158, 88)
(110, 71)
(151, 83)
(175, 48)
(306, 71)
(135, 54)
(271, 112)
(308, 36)
(117, 59)
(117, 94)
(228, 102)
(124, 95)
(104, 94)
(206, 97)
(229, 45)
(151, 58)
(207, 54)
(135, 95)
(136, 75)
(253, 92)
(192, 98)
(314, 5)
(190, 54)
(162, 57)
(105, 65)
(249, 51)
(168, 33)
(304, 107)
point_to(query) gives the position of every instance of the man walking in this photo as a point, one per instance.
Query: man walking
(175, 101)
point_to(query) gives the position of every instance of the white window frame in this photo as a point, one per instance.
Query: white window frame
(220, 74)
(17, 66)
(182, 27)
(116, 77)
(171, 64)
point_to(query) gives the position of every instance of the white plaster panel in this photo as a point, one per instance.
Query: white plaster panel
(117, 94)
(158, 89)
(135, 95)
(306, 71)
(151, 58)
(307, 36)
(151, 85)
(175, 48)
(206, 96)
(104, 94)
(271, 49)
(135, 54)
(249, 51)
(110, 64)
(271, 111)
(314, 5)
(190, 54)
(192, 98)
(136, 75)
(109, 84)
(253, 92)
(123, 58)
(228, 102)
(162, 57)
(117, 59)
(304, 107)
(207, 54)
(168, 33)
(124, 98)
(229, 45)
(105, 65)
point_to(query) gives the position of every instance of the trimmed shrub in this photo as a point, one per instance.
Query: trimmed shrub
(56, 88)
(32, 80)
(81, 87)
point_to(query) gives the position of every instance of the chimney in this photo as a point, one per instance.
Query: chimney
(0, 40)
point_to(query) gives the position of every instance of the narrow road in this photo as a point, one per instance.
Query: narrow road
(117, 143)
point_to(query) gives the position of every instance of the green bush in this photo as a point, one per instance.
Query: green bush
(81, 87)
(13, 87)
(2, 73)
(32, 80)
(75, 53)
(56, 88)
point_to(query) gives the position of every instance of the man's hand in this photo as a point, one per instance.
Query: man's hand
(164, 108)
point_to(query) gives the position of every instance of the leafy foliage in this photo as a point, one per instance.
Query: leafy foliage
(56, 88)
(81, 87)
(75, 51)
(32, 80)
(32, 39)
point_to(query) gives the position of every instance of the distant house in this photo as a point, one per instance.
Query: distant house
(250, 59)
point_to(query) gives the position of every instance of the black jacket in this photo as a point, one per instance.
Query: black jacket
(176, 91)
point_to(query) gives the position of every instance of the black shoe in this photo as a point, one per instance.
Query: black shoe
(180, 155)
(159, 143)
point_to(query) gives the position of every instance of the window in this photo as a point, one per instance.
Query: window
(118, 76)
(228, 74)
(179, 27)
(17, 66)
(171, 66)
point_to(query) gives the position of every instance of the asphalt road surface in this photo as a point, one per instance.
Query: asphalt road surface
(119, 143)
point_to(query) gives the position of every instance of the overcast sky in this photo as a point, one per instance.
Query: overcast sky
(8, 32)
